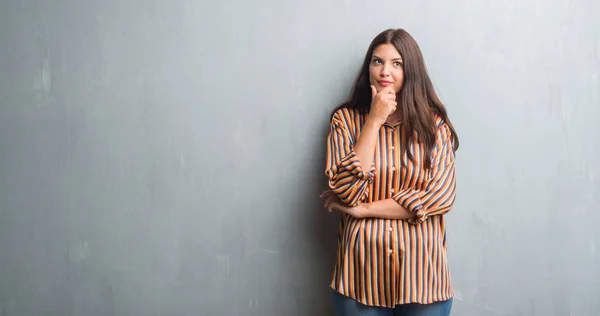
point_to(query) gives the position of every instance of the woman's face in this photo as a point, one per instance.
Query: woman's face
(385, 69)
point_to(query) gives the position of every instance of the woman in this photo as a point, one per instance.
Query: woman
(390, 165)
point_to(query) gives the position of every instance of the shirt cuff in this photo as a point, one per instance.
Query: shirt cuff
(352, 164)
(411, 201)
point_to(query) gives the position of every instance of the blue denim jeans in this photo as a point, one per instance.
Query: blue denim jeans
(345, 306)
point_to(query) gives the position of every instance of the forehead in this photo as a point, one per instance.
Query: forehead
(386, 51)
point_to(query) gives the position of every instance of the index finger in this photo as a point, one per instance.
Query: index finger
(326, 193)
(388, 90)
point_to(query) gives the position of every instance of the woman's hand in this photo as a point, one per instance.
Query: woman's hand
(333, 202)
(383, 103)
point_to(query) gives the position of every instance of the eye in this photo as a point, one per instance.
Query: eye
(398, 64)
(377, 61)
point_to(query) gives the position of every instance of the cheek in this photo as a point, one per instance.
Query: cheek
(372, 76)
(398, 75)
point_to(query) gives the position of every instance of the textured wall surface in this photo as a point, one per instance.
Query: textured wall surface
(166, 157)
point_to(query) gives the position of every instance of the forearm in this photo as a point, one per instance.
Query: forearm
(365, 146)
(389, 209)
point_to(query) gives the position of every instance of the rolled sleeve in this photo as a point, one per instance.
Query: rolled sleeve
(345, 175)
(439, 192)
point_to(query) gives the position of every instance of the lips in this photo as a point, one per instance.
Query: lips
(384, 83)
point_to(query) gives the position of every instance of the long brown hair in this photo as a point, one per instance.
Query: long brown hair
(418, 100)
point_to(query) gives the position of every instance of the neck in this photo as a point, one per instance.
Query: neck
(393, 118)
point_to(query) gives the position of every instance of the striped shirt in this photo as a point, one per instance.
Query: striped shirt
(386, 262)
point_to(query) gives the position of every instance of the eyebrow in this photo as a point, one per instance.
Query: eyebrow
(375, 56)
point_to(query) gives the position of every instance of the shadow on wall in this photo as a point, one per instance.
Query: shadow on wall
(318, 230)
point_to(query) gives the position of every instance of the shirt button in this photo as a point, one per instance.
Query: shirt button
(393, 168)
(392, 190)
(390, 229)
(390, 251)
(393, 147)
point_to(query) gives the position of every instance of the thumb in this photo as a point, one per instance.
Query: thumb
(373, 91)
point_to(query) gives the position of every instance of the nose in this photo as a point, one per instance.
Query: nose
(385, 70)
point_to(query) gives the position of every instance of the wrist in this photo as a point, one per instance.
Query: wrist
(373, 123)
(366, 210)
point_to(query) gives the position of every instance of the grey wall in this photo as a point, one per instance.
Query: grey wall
(166, 157)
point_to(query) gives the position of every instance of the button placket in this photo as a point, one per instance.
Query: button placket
(392, 155)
